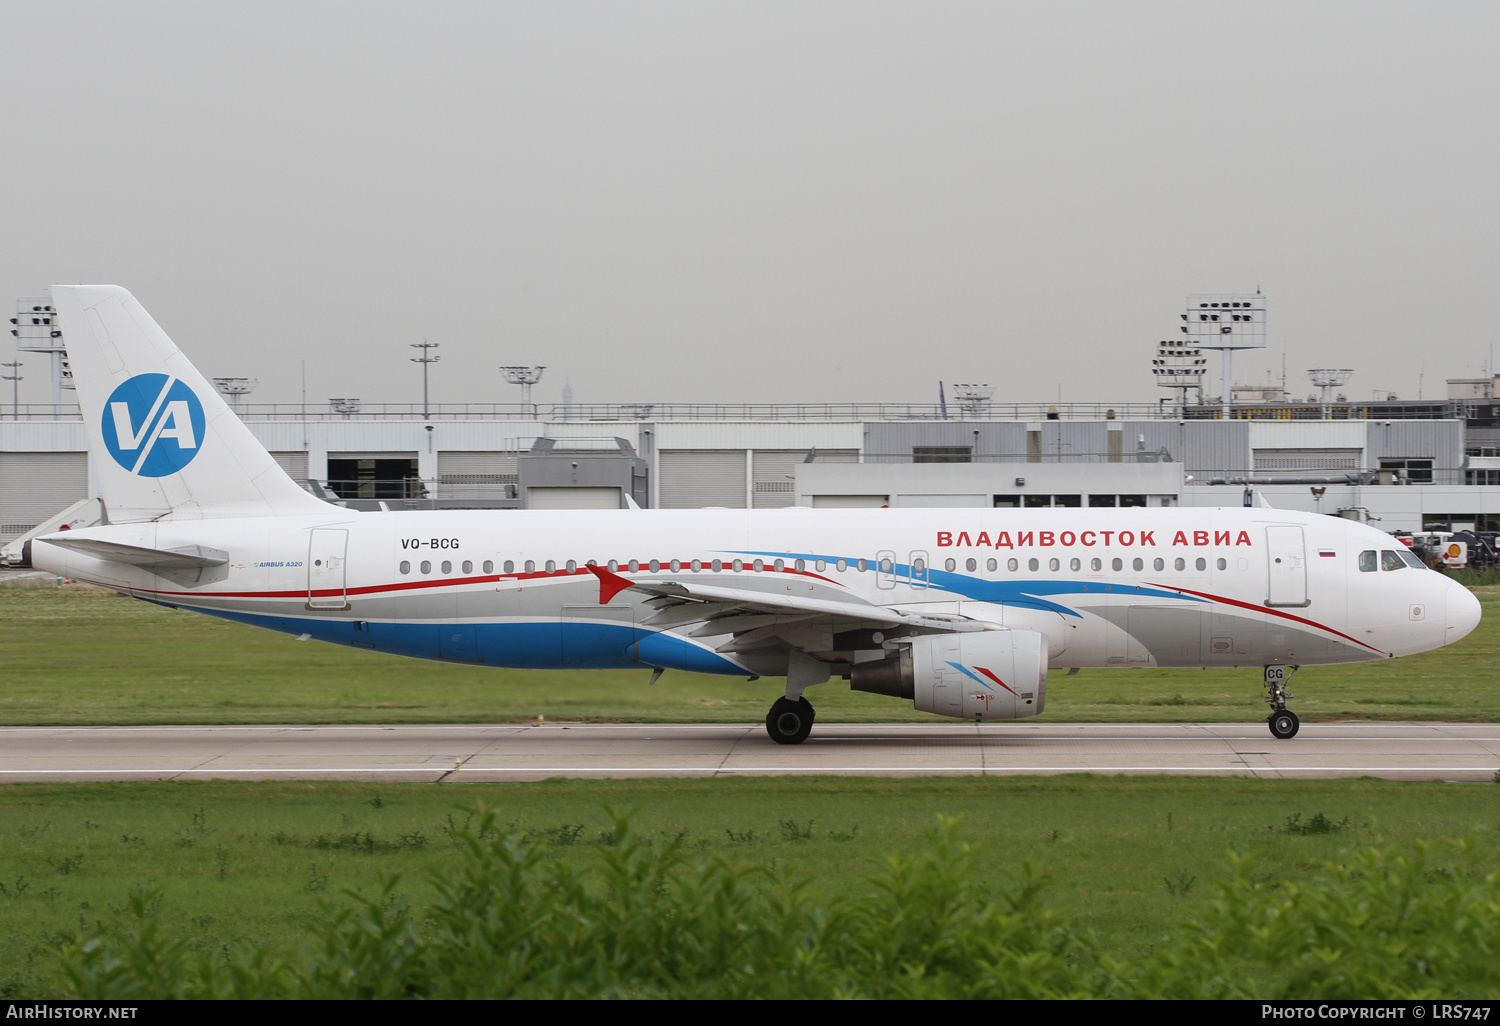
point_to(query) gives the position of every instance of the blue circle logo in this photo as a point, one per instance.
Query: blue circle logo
(153, 425)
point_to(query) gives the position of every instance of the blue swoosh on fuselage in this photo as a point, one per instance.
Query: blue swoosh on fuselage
(1025, 594)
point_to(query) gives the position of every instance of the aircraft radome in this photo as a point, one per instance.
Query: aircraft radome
(962, 611)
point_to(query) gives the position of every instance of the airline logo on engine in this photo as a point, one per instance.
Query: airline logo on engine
(152, 425)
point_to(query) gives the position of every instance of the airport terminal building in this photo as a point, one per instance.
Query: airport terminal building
(1409, 466)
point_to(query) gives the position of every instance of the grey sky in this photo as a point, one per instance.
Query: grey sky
(759, 202)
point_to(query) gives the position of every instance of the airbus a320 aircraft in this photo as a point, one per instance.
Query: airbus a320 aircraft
(962, 611)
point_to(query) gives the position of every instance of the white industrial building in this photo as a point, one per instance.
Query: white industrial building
(1405, 466)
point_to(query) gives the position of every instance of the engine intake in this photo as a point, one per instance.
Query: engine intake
(984, 675)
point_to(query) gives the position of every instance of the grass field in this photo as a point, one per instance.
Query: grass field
(248, 863)
(76, 655)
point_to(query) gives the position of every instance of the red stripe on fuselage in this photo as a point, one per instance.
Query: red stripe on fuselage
(1268, 609)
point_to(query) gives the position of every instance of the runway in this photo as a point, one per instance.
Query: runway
(518, 752)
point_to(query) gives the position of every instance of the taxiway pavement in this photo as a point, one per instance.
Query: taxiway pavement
(493, 752)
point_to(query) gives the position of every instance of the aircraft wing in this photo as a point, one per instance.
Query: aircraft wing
(759, 618)
(186, 557)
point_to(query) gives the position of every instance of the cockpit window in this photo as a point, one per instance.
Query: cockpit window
(1390, 559)
(1412, 560)
(1367, 562)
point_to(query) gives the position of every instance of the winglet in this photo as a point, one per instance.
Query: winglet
(610, 583)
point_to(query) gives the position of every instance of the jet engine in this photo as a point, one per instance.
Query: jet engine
(982, 675)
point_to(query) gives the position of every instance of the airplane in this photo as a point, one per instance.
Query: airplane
(961, 611)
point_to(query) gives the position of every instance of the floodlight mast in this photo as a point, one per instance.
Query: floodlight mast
(973, 399)
(1226, 323)
(525, 377)
(36, 331)
(234, 389)
(15, 378)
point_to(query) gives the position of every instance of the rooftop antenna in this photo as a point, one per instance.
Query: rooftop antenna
(525, 377)
(424, 360)
(1327, 379)
(234, 389)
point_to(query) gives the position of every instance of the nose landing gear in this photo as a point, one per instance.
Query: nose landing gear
(1283, 722)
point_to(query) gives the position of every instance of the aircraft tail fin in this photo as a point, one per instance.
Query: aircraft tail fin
(162, 441)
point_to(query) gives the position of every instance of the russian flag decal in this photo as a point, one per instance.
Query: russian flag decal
(1326, 552)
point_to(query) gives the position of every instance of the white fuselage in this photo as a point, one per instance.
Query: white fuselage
(1108, 587)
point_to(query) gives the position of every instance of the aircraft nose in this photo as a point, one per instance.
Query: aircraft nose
(1463, 612)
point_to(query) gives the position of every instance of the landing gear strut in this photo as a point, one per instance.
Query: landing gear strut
(790, 722)
(1283, 722)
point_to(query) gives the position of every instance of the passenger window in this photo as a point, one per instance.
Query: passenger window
(1012, 564)
(427, 566)
(1096, 563)
(1179, 563)
(1367, 561)
(917, 566)
(863, 565)
(1137, 563)
(779, 565)
(716, 565)
(759, 565)
(1390, 560)
(1201, 564)
(468, 566)
(1117, 563)
(697, 565)
(510, 566)
(991, 565)
(1075, 563)
(1032, 564)
(406, 566)
(572, 565)
(1158, 563)
(1053, 565)
(489, 566)
(800, 564)
(820, 565)
(971, 565)
(1223, 563)
(447, 566)
(949, 564)
(531, 566)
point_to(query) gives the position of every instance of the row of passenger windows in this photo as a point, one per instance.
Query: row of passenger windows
(1389, 559)
(841, 565)
(1095, 564)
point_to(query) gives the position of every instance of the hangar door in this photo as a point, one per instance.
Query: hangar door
(35, 485)
(773, 470)
(694, 478)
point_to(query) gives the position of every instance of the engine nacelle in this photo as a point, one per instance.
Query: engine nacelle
(980, 675)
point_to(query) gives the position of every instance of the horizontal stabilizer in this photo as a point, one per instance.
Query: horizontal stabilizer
(182, 558)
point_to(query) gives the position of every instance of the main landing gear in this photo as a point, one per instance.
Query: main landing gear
(1283, 721)
(790, 722)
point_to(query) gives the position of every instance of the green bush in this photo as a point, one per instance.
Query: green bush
(509, 922)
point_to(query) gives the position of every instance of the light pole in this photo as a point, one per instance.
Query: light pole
(424, 360)
(15, 388)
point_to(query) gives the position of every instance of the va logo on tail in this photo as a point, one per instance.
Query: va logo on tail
(152, 425)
